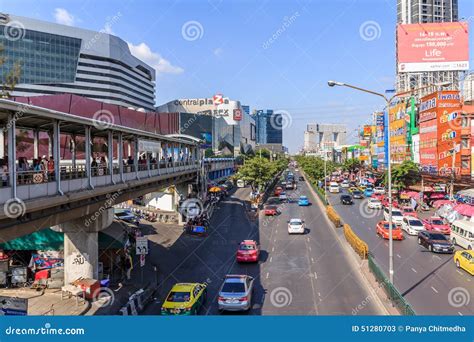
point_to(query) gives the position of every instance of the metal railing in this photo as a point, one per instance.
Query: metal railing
(392, 292)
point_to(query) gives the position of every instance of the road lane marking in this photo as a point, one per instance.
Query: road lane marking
(271, 258)
(273, 249)
(315, 276)
(276, 231)
(414, 270)
(266, 277)
(312, 260)
(307, 239)
(319, 294)
(398, 255)
(434, 289)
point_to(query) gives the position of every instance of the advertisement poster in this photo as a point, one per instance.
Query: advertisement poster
(433, 47)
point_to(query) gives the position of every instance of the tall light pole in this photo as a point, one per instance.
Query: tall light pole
(388, 101)
(325, 174)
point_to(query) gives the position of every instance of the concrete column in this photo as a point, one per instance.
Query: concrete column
(50, 144)
(120, 154)
(135, 156)
(35, 143)
(111, 155)
(12, 154)
(2, 143)
(56, 155)
(87, 144)
(81, 245)
(74, 151)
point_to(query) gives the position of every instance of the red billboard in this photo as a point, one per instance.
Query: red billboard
(433, 47)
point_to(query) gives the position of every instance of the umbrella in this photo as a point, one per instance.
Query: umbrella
(439, 203)
(413, 194)
(437, 196)
(465, 209)
(215, 189)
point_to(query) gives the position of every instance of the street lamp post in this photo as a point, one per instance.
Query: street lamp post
(388, 101)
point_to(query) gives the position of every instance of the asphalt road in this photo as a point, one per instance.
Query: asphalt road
(297, 275)
(430, 282)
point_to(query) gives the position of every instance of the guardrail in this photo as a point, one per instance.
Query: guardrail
(359, 245)
(392, 292)
(333, 216)
(318, 190)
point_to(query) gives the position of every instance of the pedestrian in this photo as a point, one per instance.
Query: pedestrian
(3, 172)
(51, 174)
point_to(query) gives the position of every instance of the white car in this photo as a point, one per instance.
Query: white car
(374, 203)
(334, 187)
(379, 190)
(295, 226)
(412, 225)
(345, 184)
(397, 216)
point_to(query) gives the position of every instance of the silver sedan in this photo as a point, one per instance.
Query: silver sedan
(236, 293)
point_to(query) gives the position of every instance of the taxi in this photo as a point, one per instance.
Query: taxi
(184, 299)
(465, 260)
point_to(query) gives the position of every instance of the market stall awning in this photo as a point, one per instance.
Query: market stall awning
(50, 240)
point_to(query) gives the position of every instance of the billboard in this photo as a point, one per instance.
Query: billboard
(433, 47)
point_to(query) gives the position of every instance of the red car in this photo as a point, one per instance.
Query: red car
(383, 227)
(270, 210)
(249, 251)
(278, 190)
(380, 197)
(409, 211)
(385, 202)
(436, 224)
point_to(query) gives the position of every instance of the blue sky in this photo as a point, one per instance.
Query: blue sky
(267, 54)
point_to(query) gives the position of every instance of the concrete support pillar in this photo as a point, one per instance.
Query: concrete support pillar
(87, 144)
(110, 154)
(135, 156)
(120, 155)
(74, 151)
(50, 144)
(81, 245)
(56, 155)
(2, 143)
(35, 143)
(12, 154)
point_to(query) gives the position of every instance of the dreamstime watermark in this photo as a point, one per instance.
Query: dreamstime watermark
(362, 305)
(367, 212)
(370, 30)
(109, 202)
(103, 119)
(281, 297)
(191, 208)
(45, 330)
(281, 119)
(14, 30)
(287, 22)
(104, 297)
(458, 297)
(14, 208)
(18, 115)
(109, 22)
(192, 30)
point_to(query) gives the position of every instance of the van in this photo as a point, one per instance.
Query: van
(462, 233)
(240, 183)
(333, 187)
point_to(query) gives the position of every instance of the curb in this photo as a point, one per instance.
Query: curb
(353, 258)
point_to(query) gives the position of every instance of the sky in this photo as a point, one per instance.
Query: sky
(276, 54)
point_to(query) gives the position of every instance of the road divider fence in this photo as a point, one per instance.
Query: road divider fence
(359, 245)
(333, 216)
(392, 292)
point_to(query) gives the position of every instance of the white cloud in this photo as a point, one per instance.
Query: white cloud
(108, 29)
(154, 59)
(62, 16)
(218, 52)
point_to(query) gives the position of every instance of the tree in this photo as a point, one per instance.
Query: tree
(11, 78)
(314, 166)
(351, 165)
(259, 171)
(264, 153)
(404, 175)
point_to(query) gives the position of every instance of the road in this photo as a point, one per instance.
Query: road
(297, 275)
(430, 282)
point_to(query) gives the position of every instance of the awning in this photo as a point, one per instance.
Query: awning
(50, 240)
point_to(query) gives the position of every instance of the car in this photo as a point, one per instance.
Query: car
(380, 197)
(301, 178)
(184, 299)
(357, 194)
(383, 230)
(345, 184)
(385, 202)
(352, 189)
(397, 216)
(362, 187)
(278, 190)
(374, 203)
(435, 242)
(270, 210)
(409, 211)
(436, 224)
(248, 251)
(303, 201)
(283, 197)
(126, 216)
(297, 170)
(296, 226)
(380, 190)
(465, 259)
(334, 187)
(412, 225)
(368, 192)
(235, 293)
(346, 199)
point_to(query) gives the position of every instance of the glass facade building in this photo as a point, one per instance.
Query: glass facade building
(268, 127)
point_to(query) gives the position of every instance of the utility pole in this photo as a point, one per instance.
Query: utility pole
(453, 172)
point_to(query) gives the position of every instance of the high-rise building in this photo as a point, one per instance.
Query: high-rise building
(419, 12)
(58, 59)
(320, 136)
(269, 127)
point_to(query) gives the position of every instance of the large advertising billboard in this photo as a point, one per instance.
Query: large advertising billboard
(433, 47)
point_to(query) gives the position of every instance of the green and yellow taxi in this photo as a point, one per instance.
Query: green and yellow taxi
(362, 187)
(184, 299)
(352, 189)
